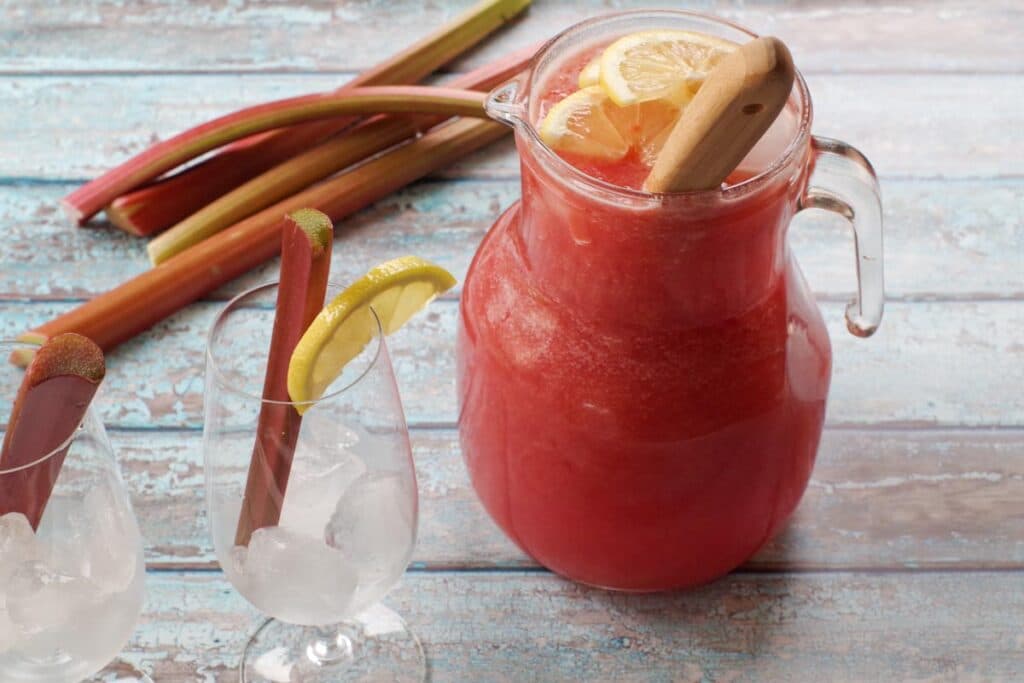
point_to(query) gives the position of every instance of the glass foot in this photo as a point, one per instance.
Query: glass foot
(120, 671)
(373, 646)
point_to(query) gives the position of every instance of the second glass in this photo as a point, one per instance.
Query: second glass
(70, 590)
(348, 516)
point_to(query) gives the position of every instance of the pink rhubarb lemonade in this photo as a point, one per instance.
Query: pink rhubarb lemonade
(642, 378)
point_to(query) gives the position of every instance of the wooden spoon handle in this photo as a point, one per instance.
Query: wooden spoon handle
(737, 103)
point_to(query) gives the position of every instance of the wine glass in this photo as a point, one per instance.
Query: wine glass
(346, 515)
(70, 590)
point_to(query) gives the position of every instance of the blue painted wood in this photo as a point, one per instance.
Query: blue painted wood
(955, 125)
(893, 499)
(913, 372)
(514, 626)
(275, 35)
(960, 240)
(88, 83)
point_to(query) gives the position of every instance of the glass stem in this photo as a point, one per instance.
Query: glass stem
(332, 645)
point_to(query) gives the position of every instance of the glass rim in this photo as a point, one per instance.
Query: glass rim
(14, 344)
(222, 382)
(731, 191)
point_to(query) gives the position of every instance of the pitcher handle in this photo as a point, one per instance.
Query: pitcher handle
(844, 182)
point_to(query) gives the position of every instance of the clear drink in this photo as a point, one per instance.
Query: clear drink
(346, 534)
(348, 511)
(71, 590)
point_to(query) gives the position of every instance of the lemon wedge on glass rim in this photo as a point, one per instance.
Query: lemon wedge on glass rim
(396, 290)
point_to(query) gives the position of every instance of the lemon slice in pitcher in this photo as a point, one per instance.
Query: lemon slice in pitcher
(591, 73)
(588, 123)
(579, 124)
(395, 290)
(659, 65)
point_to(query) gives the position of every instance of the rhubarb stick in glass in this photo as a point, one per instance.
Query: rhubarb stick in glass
(58, 386)
(306, 237)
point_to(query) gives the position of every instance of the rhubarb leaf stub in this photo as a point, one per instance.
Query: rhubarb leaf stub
(64, 355)
(67, 354)
(51, 403)
(318, 228)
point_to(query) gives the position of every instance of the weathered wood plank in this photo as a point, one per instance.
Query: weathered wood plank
(962, 239)
(826, 35)
(513, 627)
(878, 499)
(954, 126)
(930, 364)
(937, 133)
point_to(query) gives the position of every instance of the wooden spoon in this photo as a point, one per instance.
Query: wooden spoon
(737, 103)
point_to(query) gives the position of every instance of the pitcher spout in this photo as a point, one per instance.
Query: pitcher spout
(506, 103)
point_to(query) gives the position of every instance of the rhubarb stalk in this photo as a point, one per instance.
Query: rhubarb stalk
(51, 402)
(306, 237)
(136, 305)
(164, 203)
(195, 142)
(316, 164)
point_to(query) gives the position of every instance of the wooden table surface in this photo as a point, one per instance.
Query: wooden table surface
(905, 560)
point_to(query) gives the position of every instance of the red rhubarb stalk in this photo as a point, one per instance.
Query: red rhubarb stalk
(314, 165)
(148, 298)
(306, 237)
(51, 402)
(195, 142)
(158, 206)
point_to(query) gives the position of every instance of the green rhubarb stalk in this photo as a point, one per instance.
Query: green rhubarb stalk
(316, 164)
(306, 237)
(163, 156)
(150, 209)
(148, 298)
(57, 388)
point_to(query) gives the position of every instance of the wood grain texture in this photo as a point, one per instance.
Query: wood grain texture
(276, 35)
(960, 240)
(930, 364)
(516, 627)
(878, 499)
(953, 127)
(920, 477)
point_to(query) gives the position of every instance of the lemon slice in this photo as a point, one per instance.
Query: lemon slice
(591, 74)
(579, 123)
(657, 65)
(588, 123)
(645, 126)
(395, 290)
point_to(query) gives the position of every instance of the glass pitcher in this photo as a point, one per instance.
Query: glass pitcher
(642, 378)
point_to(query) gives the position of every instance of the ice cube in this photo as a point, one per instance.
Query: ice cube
(40, 600)
(237, 563)
(113, 549)
(111, 621)
(64, 536)
(17, 545)
(295, 578)
(316, 482)
(374, 526)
